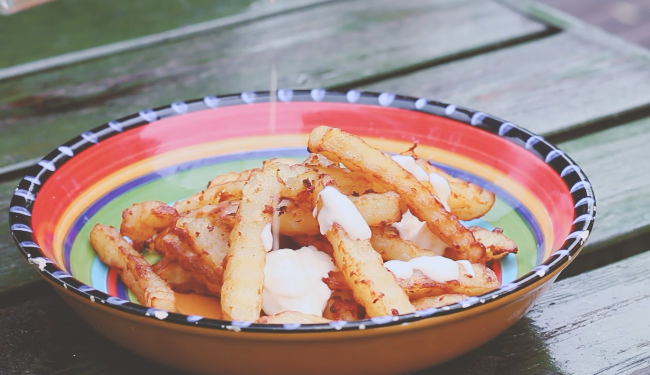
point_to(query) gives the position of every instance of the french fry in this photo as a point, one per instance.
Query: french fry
(372, 284)
(336, 281)
(357, 155)
(178, 245)
(497, 245)
(177, 278)
(143, 220)
(420, 286)
(342, 306)
(438, 301)
(232, 177)
(136, 273)
(296, 218)
(289, 317)
(211, 196)
(467, 201)
(387, 242)
(241, 295)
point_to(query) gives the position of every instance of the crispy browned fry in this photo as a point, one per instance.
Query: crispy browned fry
(342, 306)
(379, 209)
(212, 195)
(387, 242)
(177, 278)
(438, 301)
(296, 218)
(318, 160)
(497, 245)
(372, 284)
(357, 155)
(178, 245)
(317, 241)
(285, 161)
(241, 297)
(136, 273)
(419, 285)
(336, 281)
(232, 176)
(289, 317)
(143, 220)
(467, 200)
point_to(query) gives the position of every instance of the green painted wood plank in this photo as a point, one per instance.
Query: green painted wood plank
(550, 86)
(14, 270)
(326, 45)
(583, 325)
(256, 10)
(65, 26)
(615, 160)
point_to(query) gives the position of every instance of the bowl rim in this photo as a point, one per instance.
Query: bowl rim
(577, 182)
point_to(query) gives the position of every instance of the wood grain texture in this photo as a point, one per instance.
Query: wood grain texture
(615, 160)
(549, 86)
(70, 25)
(587, 324)
(322, 46)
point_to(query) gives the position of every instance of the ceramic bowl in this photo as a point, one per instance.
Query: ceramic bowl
(544, 202)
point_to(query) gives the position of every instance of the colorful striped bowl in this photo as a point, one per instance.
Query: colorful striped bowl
(544, 202)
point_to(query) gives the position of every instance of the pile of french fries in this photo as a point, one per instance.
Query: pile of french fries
(211, 242)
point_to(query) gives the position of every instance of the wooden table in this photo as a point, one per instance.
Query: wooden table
(576, 85)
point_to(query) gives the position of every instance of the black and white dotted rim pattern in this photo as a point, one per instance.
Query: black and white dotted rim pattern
(27, 192)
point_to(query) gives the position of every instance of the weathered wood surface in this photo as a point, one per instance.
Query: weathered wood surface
(54, 28)
(549, 86)
(616, 162)
(326, 45)
(256, 10)
(595, 323)
(14, 270)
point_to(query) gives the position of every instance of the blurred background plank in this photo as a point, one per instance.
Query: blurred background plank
(54, 28)
(326, 45)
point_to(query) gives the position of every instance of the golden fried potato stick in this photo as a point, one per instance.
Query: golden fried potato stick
(467, 201)
(177, 278)
(372, 284)
(357, 155)
(296, 218)
(178, 244)
(241, 295)
(143, 220)
(212, 195)
(419, 285)
(387, 242)
(289, 317)
(342, 306)
(497, 245)
(232, 177)
(438, 301)
(114, 251)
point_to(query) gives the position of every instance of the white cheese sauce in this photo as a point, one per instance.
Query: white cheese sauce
(437, 268)
(409, 164)
(440, 184)
(416, 231)
(267, 238)
(293, 281)
(338, 208)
